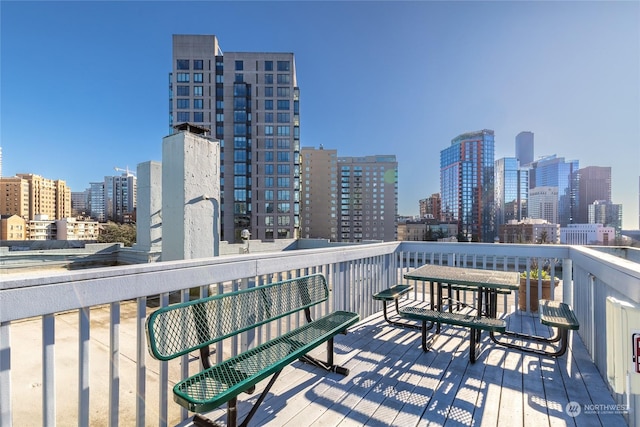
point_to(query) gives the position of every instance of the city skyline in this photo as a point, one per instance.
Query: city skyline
(85, 83)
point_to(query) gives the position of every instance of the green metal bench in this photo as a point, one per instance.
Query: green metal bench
(183, 328)
(476, 324)
(555, 314)
(393, 294)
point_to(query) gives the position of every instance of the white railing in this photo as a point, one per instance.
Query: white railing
(354, 274)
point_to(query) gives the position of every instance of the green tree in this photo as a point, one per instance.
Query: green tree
(118, 233)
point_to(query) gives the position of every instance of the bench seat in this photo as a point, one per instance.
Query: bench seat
(457, 319)
(557, 314)
(213, 387)
(392, 293)
(475, 324)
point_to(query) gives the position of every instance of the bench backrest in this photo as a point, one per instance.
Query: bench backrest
(182, 328)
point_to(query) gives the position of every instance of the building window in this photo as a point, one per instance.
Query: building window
(268, 169)
(284, 79)
(183, 104)
(283, 92)
(283, 130)
(268, 65)
(284, 170)
(283, 156)
(182, 90)
(197, 64)
(268, 195)
(239, 78)
(239, 65)
(183, 77)
(268, 117)
(283, 143)
(268, 143)
(284, 66)
(268, 182)
(268, 156)
(283, 104)
(268, 130)
(197, 104)
(284, 182)
(268, 79)
(198, 117)
(283, 117)
(183, 64)
(197, 91)
(197, 77)
(268, 91)
(183, 116)
(268, 104)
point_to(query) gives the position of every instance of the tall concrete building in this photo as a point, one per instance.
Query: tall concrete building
(554, 171)
(97, 208)
(319, 202)
(120, 197)
(511, 190)
(524, 148)
(467, 185)
(28, 195)
(543, 204)
(368, 204)
(594, 183)
(250, 102)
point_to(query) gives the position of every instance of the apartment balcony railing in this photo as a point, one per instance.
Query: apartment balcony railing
(354, 273)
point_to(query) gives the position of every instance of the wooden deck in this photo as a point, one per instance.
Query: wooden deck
(393, 383)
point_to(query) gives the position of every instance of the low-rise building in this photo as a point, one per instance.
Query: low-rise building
(529, 230)
(587, 234)
(12, 227)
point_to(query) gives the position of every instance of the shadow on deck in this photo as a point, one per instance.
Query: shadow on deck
(394, 383)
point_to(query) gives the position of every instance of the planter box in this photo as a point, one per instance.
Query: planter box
(533, 293)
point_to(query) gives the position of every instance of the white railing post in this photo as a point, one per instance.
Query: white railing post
(141, 366)
(5, 374)
(84, 345)
(48, 370)
(114, 363)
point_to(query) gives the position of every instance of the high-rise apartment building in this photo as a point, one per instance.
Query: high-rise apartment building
(319, 202)
(14, 197)
(606, 213)
(368, 204)
(431, 207)
(554, 171)
(594, 183)
(120, 197)
(511, 190)
(524, 148)
(250, 102)
(467, 184)
(28, 195)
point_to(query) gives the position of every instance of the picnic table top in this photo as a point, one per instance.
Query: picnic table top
(466, 276)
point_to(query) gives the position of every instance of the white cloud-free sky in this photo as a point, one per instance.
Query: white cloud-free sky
(85, 84)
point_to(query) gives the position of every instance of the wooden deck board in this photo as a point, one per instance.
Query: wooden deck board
(394, 383)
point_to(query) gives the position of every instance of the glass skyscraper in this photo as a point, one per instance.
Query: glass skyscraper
(250, 102)
(467, 185)
(553, 171)
(511, 190)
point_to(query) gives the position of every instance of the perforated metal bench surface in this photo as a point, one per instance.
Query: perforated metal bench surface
(191, 326)
(393, 292)
(457, 319)
(558, 314)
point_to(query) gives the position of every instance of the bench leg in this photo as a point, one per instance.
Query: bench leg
(328, 365)
(474, 345)
(426, 344)
(561, 336)
(394, 323)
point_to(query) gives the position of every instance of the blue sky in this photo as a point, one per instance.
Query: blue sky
(84, 85)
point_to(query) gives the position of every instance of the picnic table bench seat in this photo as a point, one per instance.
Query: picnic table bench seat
(476, 324)
(557, 315)
(394, 293)
(180, 329)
